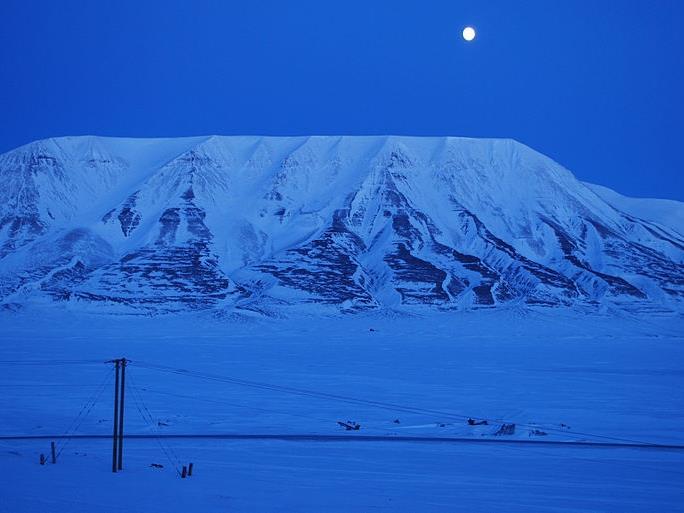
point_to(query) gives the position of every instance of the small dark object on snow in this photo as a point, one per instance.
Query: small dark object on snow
(396, 421)
(372, 329)
(442, 425)
(564, 426)
(505, 429)
(350, 425)
(160, 423)
(537, 432)
(473, 422)
(156, 465)
(43, 459)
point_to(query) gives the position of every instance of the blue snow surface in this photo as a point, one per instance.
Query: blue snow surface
(565, 379)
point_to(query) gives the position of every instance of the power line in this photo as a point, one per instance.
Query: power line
(90, 400)
(83, 414)
(49, 362)
(365, 402)
(246, 406)
(48, 385)
(140, 405)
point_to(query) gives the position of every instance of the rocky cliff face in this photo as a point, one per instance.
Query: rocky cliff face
(260, 223)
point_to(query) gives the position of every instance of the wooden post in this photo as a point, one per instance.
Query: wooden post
(52, 451)
(121, 413)
(116, 416)
(189, 469)
(184, 473)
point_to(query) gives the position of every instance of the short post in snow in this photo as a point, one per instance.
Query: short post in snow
(53, 453)
(189, 469)
(184, 472)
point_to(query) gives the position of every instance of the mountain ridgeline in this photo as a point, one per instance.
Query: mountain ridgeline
(267, 224)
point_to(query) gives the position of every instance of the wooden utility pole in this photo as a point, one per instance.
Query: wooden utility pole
(119, 396)
(116, 414)
(121, 412)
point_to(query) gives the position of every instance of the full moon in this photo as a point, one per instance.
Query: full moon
(469, 33)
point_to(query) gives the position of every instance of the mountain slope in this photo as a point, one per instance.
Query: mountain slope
(259, 223)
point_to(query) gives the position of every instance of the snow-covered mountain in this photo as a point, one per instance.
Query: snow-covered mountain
(264, 223)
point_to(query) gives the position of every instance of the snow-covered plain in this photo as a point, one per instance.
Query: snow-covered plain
(607, 378)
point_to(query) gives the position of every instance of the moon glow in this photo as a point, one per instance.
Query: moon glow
(469, 33)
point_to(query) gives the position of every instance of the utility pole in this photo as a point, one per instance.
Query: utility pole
(117, 435)
(116, 414)
(121, 411)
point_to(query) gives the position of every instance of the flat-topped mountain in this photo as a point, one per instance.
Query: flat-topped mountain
(264, 223)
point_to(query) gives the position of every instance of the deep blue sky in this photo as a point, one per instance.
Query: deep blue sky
(596, 84)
